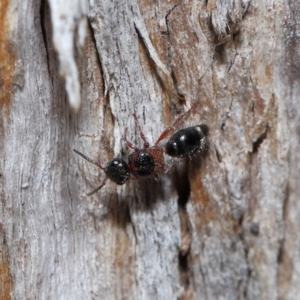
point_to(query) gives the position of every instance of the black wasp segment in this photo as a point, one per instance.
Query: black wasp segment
(116, 170)
(187, 141)
(147, 160)
(141, 162)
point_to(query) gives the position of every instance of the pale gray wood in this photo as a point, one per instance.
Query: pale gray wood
(69, 29)
(222, 226)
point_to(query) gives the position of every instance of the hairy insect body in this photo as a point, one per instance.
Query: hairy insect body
(158, 154)
(187, 141)
(117, 170)
(141, 163)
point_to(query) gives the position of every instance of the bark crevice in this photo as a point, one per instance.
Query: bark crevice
(182, 184)
(45, 25)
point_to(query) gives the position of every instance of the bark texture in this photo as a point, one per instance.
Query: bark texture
(224, 225)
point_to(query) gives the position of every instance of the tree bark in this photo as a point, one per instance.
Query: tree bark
(223, 225)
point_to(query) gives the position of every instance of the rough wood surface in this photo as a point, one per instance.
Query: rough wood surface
(221, 226)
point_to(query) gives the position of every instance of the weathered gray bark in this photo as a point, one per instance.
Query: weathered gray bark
(222, 226)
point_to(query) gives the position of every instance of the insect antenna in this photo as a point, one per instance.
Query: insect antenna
(97, 188)
(89, 159)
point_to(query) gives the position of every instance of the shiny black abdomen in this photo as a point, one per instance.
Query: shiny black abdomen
(141, 163)
(117, 171)
(186, 142)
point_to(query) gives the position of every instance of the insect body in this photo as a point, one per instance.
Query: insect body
(187, 141)
(145, 161)
(149, 160)
(141, 162)
(116, 170)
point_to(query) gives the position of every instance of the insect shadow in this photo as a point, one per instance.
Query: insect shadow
(138, 196)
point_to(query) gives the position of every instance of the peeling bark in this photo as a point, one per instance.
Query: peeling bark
(69, 30)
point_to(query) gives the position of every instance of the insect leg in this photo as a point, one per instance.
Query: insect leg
(146, 144)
